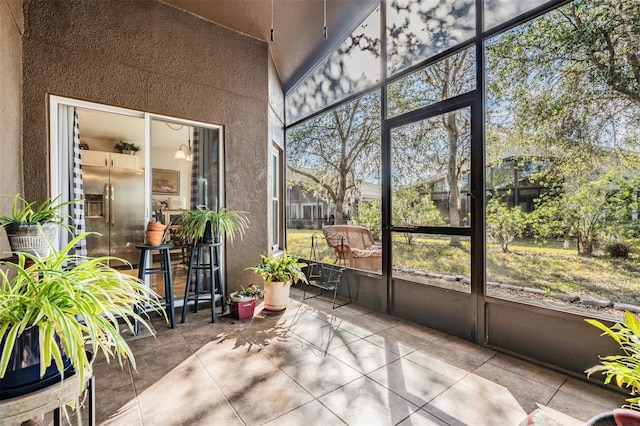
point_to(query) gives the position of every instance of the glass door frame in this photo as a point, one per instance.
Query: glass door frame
(56, 180)
(55, 135)
(55, 183)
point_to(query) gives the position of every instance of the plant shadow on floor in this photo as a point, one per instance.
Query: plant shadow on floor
(264, 329)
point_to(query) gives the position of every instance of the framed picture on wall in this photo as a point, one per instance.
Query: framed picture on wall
(165, 182)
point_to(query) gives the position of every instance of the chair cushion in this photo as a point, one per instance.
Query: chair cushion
(365, 253)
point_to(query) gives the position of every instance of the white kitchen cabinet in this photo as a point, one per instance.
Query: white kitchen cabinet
(111, 159)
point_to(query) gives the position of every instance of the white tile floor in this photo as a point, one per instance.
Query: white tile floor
(312, 365)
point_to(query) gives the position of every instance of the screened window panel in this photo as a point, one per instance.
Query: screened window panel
(352, 68)
(497, 12)
(561, 149)
(430, 179)
(442, 80)
(420, 29)
(333, 171)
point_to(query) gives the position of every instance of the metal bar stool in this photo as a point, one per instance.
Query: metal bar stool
(198, 263)
(164, 269)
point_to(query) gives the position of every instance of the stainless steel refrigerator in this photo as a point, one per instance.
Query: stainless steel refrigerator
(114, 208)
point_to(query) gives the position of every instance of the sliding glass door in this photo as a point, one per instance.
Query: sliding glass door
(170, 164)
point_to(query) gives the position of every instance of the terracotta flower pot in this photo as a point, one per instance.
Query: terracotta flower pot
(154, 238)
(156, 226)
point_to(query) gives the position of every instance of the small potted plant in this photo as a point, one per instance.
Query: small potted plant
(243, 302)
(33, 228)
(279, 272)
(205, 225)
(127, 147)
(57, 311)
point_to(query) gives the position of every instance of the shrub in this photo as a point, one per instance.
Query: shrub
(618, 249)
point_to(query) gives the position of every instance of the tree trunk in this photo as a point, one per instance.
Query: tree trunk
(585, 245)
(339, 218)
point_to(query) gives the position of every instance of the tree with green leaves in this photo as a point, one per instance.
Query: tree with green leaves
(369, 215)
(588, 210)
(566, 86)
(504, 223)
(411, 208)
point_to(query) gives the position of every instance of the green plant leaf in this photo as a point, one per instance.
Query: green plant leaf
(282, 268)
(623, 369)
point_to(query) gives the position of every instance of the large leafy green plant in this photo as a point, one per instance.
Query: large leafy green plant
(23, 212)
(77, 299)
(625, 369)
(282, 268)
(192, 224)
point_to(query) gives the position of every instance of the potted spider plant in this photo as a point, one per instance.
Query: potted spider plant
(279, 272)
(33, 228)
(55, 312)
(204, 225)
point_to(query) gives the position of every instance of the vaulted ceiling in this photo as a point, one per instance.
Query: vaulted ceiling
(298, 26)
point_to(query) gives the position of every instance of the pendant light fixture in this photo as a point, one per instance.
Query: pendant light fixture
(185, 152)
(324, 30)
(272, 21)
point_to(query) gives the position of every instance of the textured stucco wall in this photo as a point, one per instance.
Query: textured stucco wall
(11, 29)
(276, 106)
(147, 56)
(276, 137)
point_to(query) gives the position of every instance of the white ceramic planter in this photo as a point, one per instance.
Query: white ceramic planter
(276, 296)
(240, 299)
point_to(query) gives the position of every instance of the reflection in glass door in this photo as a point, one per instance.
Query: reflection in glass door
(112, 183)
(430, 206)
(185, 166)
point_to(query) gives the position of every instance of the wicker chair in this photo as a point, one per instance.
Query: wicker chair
(353, 246)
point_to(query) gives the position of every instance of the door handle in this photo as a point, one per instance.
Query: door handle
(112, 214)
(106, 205)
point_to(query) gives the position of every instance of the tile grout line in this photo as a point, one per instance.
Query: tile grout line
(226, 399)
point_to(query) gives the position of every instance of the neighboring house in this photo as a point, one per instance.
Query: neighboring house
(309, 209)
(306, 209)
(510, 179)
(438, 188)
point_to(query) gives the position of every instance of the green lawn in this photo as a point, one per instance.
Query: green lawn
(550, 267)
